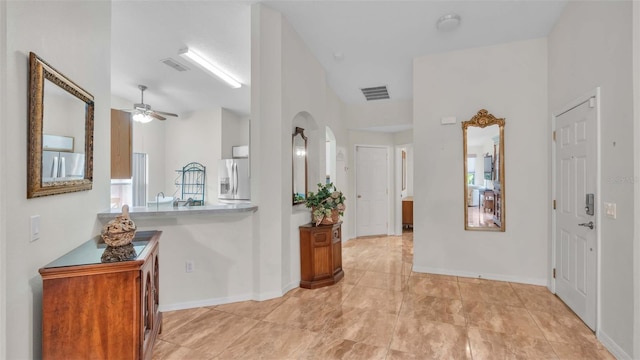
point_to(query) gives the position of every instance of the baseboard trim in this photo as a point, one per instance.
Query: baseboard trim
(228, 299)
(613, 348)
(205, 302)
(488, 276)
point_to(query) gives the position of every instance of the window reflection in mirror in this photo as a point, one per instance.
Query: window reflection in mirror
(483, 137)
(299, 166)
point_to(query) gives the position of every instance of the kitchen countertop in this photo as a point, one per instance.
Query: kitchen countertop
(208, 210)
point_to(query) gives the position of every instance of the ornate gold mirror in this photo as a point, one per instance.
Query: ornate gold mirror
(60, 156)
(483, 150)
(299, 166)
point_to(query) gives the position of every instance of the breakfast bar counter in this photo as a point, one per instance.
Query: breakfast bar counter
(172, 212)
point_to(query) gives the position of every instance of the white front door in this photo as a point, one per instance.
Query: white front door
(371, 191)
(575, 234)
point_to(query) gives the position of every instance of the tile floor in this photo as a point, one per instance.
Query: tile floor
(383, 310)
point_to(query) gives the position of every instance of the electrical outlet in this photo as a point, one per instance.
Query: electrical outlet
(189, 266)
(35, 227)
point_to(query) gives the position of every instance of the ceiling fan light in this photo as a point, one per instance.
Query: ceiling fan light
(142, 118)
(208, 66)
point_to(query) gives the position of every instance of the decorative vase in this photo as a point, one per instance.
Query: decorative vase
(119, 231)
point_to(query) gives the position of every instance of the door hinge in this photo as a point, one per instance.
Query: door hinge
(554, 135)
(554, 204)
(554, 273)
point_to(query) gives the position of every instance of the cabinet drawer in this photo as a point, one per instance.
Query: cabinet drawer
(321, 239)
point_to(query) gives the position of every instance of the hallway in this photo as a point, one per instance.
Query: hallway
(383, 310)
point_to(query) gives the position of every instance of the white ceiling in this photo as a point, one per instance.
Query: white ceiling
(379, 40)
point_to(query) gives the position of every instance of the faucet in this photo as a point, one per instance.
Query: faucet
(176, 202)
(157, 197)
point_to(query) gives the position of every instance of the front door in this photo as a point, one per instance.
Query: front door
(575, 234)
(371, 191)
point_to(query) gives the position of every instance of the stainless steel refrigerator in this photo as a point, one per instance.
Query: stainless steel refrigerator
(61, 165)
(233, 179)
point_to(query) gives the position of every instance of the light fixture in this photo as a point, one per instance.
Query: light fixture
(142, 118)
(448, 22)
(208, 66)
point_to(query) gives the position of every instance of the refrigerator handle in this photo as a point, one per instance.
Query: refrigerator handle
(235, 178)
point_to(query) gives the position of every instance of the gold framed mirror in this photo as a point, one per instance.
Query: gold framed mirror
(483, 151)
(60, 112)
(299, 165)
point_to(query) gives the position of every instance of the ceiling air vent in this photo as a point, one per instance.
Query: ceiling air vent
(375, 93)
(174, 64)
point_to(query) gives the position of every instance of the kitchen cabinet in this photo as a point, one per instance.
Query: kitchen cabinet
(121, 144)
(407, 211)
(96, 310)
(320, 255)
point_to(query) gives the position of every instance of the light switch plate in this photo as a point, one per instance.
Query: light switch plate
(34, 227)
(610, 210)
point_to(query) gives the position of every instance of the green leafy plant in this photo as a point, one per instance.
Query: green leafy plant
(325, 201)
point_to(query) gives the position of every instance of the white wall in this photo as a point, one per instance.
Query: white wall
(379, 113)
(194, 138)
(508, 80)
(67, 220)
(636, 143)
(235, 132)
(3, 181)
(219, 247)
(590, 46)
(287, 83)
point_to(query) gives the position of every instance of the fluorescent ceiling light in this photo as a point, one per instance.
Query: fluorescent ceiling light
(205, 64)
(142, 118)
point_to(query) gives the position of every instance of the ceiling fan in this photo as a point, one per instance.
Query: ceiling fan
(143, 113)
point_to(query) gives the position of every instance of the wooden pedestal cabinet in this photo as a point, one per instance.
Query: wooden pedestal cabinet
(320, 255)
(96, 310)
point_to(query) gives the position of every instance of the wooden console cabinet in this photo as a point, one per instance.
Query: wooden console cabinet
(320, 255)
(407, 211)
(95, 310)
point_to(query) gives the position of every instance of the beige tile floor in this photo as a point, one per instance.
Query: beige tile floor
(383, 310)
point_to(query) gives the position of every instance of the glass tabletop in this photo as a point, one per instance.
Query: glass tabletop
(92, 251)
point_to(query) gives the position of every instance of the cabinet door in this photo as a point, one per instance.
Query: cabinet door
(147, 306)
(322, 260)
(121, 138)
(337, 249)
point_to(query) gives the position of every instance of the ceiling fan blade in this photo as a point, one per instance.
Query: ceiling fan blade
(128, 110)
(154, 115)
(165, 113)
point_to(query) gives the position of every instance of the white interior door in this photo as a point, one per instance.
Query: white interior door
(371, 191)
(575, 239)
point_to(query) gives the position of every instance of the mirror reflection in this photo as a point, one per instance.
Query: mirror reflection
(299, 166)
(60, 132)
(63, 138)
(483, 172)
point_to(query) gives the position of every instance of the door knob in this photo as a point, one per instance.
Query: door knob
(589, 225)
(359, 196)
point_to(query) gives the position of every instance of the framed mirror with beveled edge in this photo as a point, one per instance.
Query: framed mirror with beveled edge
(58, 109)
(483, 150)
(299, 166)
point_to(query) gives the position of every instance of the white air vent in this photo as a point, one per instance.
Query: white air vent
(174, 64)
(375, 93)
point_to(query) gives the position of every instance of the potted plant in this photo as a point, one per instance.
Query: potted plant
(326, 205)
